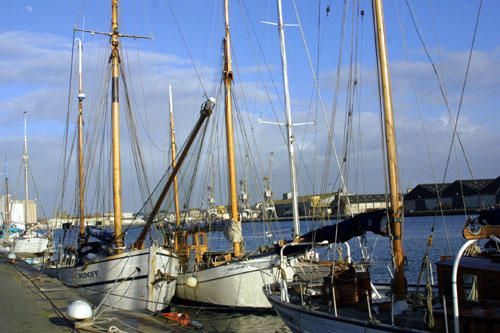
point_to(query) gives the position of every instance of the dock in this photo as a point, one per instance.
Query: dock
(33, 302)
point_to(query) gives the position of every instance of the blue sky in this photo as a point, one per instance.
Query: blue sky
(35, 50)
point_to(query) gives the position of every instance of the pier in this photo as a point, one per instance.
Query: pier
(33, 302)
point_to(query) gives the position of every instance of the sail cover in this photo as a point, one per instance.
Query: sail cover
(490, 216)
(374, 221)
(232, 232)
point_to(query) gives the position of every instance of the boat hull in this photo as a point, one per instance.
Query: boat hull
(301, 319)
(235, 285)
(136, 281)
(30, 246)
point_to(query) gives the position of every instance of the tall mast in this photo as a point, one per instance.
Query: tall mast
(7, 203)
(289, 126)
(390, 138)
(81, 185)
(115, 124)
(173, 153)
(228, 79)
(25, 160)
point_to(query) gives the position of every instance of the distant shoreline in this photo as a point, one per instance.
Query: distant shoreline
(448, 212)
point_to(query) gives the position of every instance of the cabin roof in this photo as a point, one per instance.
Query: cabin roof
(489, 263)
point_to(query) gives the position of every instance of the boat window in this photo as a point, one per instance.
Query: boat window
(470, 285)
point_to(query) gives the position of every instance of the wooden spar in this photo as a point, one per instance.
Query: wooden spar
(81, 185)
(205, 112)
(173, 153)
(485, 231)
(115, 124)
(289, 126)
(392, 163)
(228, 79)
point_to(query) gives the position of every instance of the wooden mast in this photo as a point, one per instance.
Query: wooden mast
(173, 151)
(115, 124)
(392, 163)
(228, 79)
(289, 126)
(81, 185)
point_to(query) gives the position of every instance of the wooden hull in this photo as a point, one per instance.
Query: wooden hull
(136, 281)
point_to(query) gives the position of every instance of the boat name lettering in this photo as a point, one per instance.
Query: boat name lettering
(232, 268)
(88, 275)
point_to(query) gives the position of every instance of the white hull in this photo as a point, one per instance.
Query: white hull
(304, 320)
(234, 285)
(30, 246)
(137, 280)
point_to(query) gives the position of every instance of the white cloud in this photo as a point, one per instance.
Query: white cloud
(35, 79)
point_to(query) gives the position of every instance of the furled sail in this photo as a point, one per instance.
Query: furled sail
(374, 221)
(232, 232)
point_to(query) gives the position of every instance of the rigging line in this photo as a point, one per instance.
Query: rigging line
(137, 153)
(187, 49)
(145, 123)
(37, 193)
(146, 18)
(441, 87)
(361, 156)
(316, 106)
(422, 125)
(349, 100)
(331, 127)
(438, 48)
(462, 93)
(247, 113)
(321, 38)
(65, 140)
(315, 79)
(245, 142)
(269, 71)
(197, 159)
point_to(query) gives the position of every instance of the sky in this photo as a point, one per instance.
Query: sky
(36, 40)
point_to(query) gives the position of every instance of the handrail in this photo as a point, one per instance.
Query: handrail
(456, 314)
(283, 284)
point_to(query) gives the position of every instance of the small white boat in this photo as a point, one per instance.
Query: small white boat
(30, 245)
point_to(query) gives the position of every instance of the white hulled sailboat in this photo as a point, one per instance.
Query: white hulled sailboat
(30, 243)
(128, 279)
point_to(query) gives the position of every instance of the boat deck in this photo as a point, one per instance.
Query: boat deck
(380, 310)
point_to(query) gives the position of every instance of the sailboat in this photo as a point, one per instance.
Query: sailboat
(347, 300)
(135, 279)
(226, 279)
(30, 243)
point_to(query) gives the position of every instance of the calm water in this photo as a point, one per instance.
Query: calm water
(447, 239)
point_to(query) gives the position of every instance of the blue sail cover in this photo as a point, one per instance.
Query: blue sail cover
(374, 221)
(490, 216)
